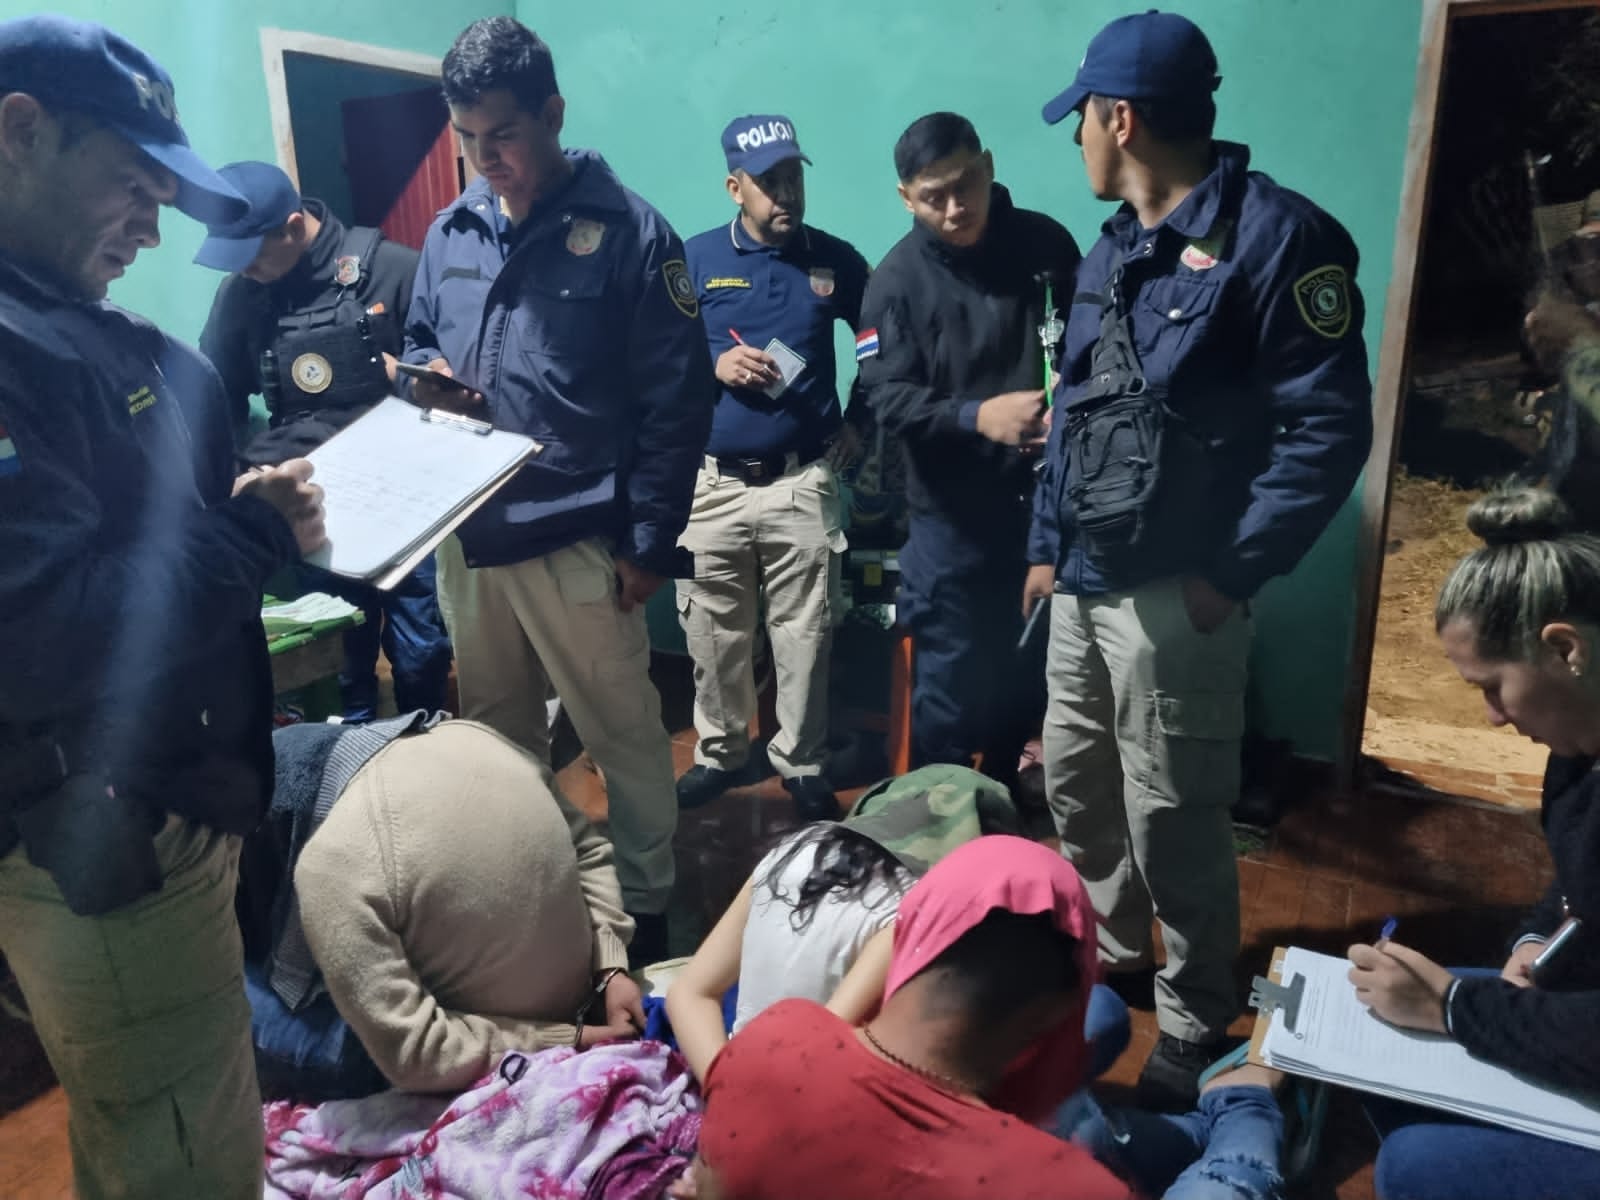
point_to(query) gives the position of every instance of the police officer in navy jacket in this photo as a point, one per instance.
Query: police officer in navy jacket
(309, 317)
(562, 299)
(766, 519)
(136, 695)
(1213, 414)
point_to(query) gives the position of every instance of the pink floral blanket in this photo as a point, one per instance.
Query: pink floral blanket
(618, 1122)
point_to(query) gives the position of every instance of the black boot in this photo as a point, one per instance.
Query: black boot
(1170, 1081)
(813, 798)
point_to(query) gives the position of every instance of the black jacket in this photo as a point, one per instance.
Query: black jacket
(1551, 1036)
(244, 314)
(953, 328)
(130, 581)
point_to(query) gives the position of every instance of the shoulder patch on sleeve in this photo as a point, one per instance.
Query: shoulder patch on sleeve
(680, 287)
(1323, 297)
(10, 464)
(866, 344)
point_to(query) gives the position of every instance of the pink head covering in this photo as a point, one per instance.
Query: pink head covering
(1017, 876)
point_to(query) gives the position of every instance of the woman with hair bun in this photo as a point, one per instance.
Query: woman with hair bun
(1519, 618)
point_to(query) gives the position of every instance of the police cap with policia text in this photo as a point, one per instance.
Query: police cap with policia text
(82, 67)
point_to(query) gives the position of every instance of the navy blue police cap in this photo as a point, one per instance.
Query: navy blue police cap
(756, 144)
(82, 67)
(233, 245)
(1144, 56)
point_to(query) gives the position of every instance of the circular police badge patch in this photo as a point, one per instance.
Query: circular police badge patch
(822, 281)
(680, 287)
(1323, 297)
(347, 270)
(311, 373)
(584, 237)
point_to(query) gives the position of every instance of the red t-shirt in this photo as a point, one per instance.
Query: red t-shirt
(798, 1109)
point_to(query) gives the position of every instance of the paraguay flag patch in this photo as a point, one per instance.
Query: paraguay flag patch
(10, 464)
(866, 344)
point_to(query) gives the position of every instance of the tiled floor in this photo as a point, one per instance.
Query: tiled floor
(1457, 877)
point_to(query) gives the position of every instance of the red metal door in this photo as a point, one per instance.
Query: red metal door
(401, 157)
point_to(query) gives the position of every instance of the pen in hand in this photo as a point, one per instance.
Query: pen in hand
(1390, 924)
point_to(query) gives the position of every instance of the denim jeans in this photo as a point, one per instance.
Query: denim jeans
(1227, 1149)
(1432, 1155)
(1106, 1028)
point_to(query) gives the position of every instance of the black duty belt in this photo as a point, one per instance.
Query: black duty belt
(761, 471)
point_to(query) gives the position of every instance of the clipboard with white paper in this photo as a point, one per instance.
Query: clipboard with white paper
(790, 365)
(1335, 1038)
(399, 480)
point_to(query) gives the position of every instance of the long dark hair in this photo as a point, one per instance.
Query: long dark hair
(847, 865)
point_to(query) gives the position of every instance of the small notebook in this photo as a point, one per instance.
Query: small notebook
(1337, 1039)
(400, 479)
(790, 365)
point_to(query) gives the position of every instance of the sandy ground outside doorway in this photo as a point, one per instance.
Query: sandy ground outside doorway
(1421, 719)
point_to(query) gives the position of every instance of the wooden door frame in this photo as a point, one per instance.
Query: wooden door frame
(276, 42)
(1393, 349)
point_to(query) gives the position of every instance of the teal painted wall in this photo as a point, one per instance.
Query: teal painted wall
(1321, 91)
(212, 49)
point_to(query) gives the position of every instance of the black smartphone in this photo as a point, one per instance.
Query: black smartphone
(445, 381)
(1553, 966)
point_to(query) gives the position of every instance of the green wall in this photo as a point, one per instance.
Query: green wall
(1321, 91)
(212, 49)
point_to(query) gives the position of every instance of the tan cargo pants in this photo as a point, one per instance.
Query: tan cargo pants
(520, 629)
(1141, 760)
(775, 544)
(143, 1015)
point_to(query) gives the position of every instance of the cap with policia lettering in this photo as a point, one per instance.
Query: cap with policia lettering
(82, 67)
(755, 145)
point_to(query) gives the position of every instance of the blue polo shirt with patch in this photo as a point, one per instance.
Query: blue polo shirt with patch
(794, 292)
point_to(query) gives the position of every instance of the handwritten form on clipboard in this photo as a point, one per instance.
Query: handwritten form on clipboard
(1337, 1039)
(397, 483)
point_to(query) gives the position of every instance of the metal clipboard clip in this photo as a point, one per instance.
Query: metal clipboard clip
(436, 416)
(1268, 997)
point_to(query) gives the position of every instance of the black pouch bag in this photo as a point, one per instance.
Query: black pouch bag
(96, 843)
(1114, 434)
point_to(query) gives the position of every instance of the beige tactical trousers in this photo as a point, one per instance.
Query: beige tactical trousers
(143, 1015)
(520, 629)
(1141, 760)
(773, 545)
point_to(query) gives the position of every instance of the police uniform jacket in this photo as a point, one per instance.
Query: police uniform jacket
(1246, 319)
(795, 293)
(130, 582)
(946, 329)
(245, 314)
(582, 329)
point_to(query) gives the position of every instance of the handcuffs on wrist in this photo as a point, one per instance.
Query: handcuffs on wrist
(598, 995)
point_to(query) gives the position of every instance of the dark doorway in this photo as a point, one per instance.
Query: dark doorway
(372, 143)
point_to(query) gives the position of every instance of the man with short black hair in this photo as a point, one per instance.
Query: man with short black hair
(952, 363)
(310, 318)
(765, 529)
(1213, 414)
(562, 299)
(136, 698)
